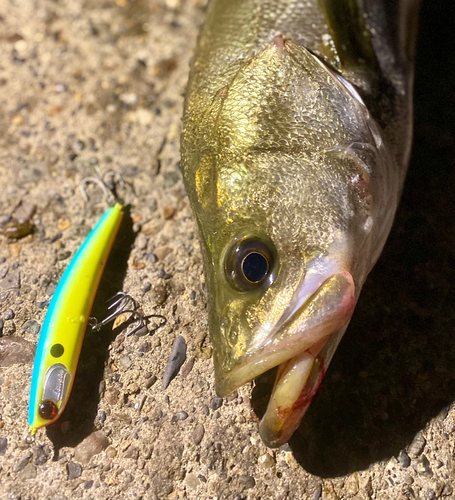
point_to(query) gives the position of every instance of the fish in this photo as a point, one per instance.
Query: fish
(296, 138)
(65, 323)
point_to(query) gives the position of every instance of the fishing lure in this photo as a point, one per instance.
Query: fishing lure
(64, 326)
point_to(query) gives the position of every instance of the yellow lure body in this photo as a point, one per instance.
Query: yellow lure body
(64, 326)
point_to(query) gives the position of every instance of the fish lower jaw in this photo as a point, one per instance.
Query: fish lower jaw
(296, 384)
(299, 354)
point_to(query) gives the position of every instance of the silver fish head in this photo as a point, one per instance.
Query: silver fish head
(294, 194)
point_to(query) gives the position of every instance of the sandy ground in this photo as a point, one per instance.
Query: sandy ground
(92, 82)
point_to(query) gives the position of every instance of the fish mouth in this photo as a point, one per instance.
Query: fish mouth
(301, 344)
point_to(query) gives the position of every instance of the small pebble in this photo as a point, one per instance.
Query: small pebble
(232, 397)
(4, 268)
(144, 347)
(92, 445)
(422, 466)
(198, 434)
(187, 367)
(8, 314)
(111, 396)
(24, 211)
(3, 446)
(266, 461)
(123, 417)
(31, 326)
(11, 282)
(128, 99)
(40, 456)
(132, 452)
(182, 415)
(102, 416)
(141, 332)
(192, 481)
(247, 482)
(444, 412)
(50, 289)
(150, 381)
(176, 360)
(125, 361)
(5, 218)
(317, 492)
(15, 350)
(78, 145)
(205, 410)
(159, 292)
(417, 446)
(141, 241)
(88, 484)
(151, 257)
(169, 212)
(18, 230)
(202, 478)
(192, 295)
(171, 178)
(146, 287)
(60, 88)
(43, 305)
(403, 459)
(140, 403)
(28, 472)
(73, 470)
(111, 452)
(21, 465)
(216, 403)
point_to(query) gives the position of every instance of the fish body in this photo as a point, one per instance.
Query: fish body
(64, 326)
(296, 139)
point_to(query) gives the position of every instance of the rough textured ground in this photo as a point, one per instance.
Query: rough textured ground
(94, 81)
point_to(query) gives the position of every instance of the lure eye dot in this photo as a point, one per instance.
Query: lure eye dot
(47, 409)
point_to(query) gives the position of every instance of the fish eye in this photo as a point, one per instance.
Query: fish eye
(250, 264)
(47, 409)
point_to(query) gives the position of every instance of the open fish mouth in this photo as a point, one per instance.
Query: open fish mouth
(301, 344)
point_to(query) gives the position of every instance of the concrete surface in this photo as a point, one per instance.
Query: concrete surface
(98, 81)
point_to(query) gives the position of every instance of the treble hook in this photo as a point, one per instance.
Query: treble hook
(120, 301)
(106, 186)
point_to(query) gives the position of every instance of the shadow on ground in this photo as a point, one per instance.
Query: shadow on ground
(77, 421)
(394, 370)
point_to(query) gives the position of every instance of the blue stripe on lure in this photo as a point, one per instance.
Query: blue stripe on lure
(64, 326)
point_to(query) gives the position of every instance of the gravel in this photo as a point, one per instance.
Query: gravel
(73, 470)
(31, 326)
(3, 445)
(92, 445)
(176, 360)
